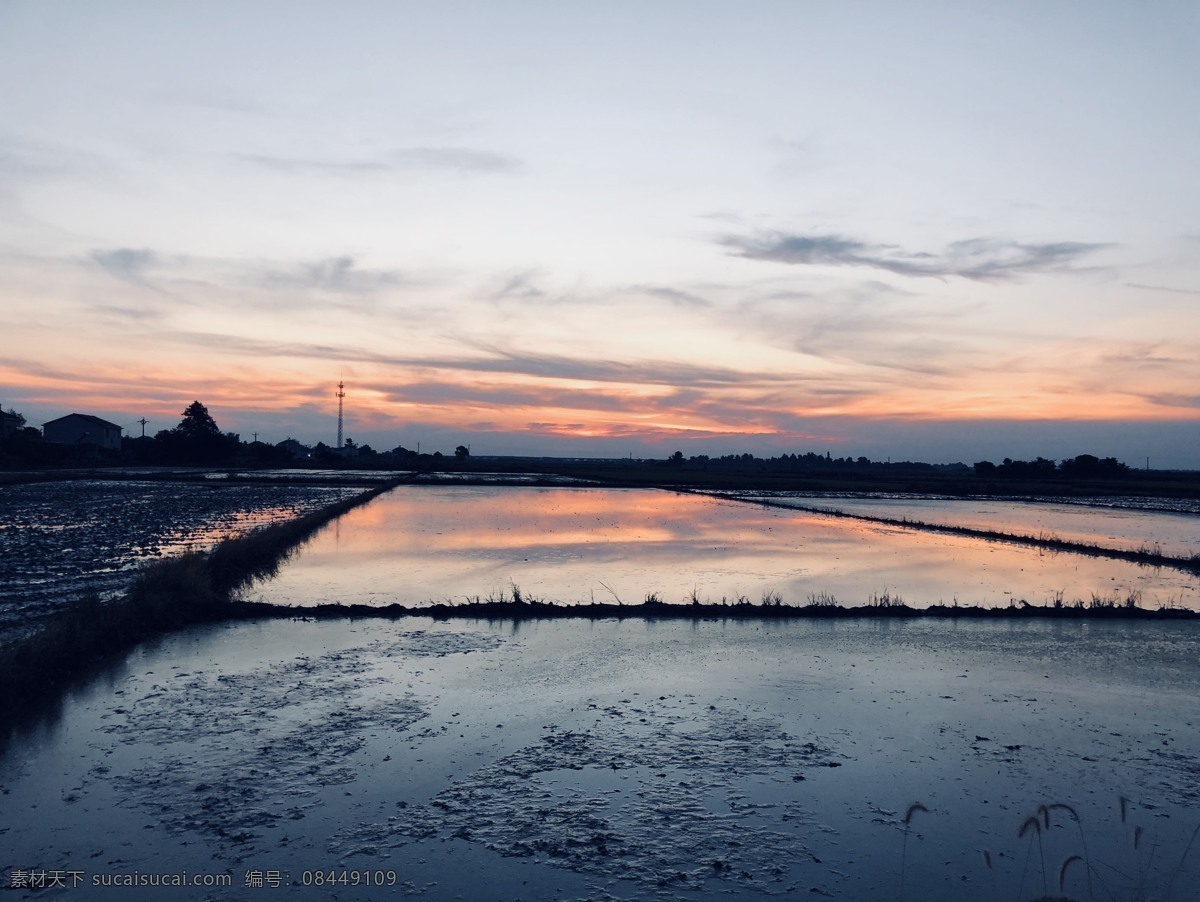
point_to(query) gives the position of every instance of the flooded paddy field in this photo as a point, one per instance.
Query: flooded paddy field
(1170, 525)
(59, 538)
(634, 759)
(430, 544)
(639, 758)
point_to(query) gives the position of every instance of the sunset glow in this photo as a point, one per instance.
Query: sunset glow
(610, 229)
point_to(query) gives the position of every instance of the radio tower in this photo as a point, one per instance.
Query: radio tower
(340, 395)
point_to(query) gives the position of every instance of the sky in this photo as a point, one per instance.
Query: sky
(939, 231)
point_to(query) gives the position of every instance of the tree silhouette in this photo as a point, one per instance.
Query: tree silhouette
(197, 439)
(197, 423)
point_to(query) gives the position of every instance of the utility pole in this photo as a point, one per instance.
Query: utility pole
(340, 395)
(143, 422)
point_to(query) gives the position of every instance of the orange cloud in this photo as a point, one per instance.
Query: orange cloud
(654, 401)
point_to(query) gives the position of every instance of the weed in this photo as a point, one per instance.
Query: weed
(1034, 823)
(1179, 867)
(908, 816)
(1135, 881)
(771, 599)
(1173, 603)
(1062, 872)
(1131, 602)
(1062, 806)
(886, 600)
(611, 591)
(822, 599)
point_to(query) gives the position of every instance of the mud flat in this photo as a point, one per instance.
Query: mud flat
(59, 538)
(623, 759)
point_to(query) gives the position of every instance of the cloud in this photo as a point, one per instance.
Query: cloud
(338, 274)
(796, 158)
(126, 263)
(212, 102)
(502, 396)
(229, 281)
(978, 259)
(1189, 291)
(492, 360)
(26, 160)
(463, 160)
(315, 167)
(654, 372)
(646, 434)
(531, 285)
(521, 286)
(1186, 402)
(676, 296)
(988, 260)
(127, 312)
(799, 249)
(1143, 356)
(868, 326)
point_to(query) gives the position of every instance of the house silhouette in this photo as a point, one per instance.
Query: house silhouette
(83, 429)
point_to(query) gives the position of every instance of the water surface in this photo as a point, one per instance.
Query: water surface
(1129, 524)
(623, 760)
(419, 545)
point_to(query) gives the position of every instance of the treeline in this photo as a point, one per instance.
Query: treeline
(811, 461)
(1085, 466)
(196, 441)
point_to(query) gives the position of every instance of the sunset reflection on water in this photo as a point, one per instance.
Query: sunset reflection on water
(418, 545)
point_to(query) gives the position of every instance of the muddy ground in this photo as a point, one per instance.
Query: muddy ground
(59, 538)
(621, 760)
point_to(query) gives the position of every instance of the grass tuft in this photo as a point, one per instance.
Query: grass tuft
(822, 599)
(1033, 824)
(908, 816)
(1062, 872)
